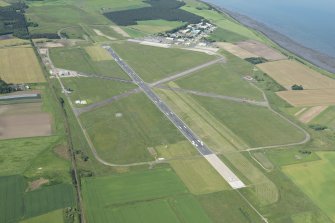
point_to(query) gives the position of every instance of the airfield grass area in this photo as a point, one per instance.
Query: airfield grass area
(27, 71)
(18, 204)
(223, 35)
(316, 180)
(180, 149)
(77, 59)
(225, 79)
(156, 26)
(51, 217)
(97, 53)
(227, 206)
(221, 139)
(199, 176)
(135, 118)
(155, 195)
(94, 89)
(289, 72)
(257, 126)
(154, 63)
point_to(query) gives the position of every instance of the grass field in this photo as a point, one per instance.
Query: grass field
(327, 118)
(227, 206)
(199, 176)
(77, 59)
(221, 139)
(178, 150)
(48, 199)
(93, 89)
(11, 203)
(289, 72)
(319, 187)
(147, 196)
(17, 204)
(16, 155)
(131, 187)
(257, 126)
(27, 71)
(52, 17)
(223, 35)
(156, 26)
(97, 53)
(135, 118)
(51, 217)
(154, 63)
(309, 97)
(3, 3)
(283, 157)
(225, 79)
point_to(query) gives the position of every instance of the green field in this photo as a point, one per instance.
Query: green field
(11, 203)
(16, 204)
(316, 179)
(51, 217)
(17, 155)
(135, 118)
(77, 59)
(228, 206)
(51, 17)
(326, 118)
(97, 53)
(199, 176)
(283, 157)
(156, 26)
(94, 89)
(154, 63)
(257, 126)
(225, 79)
(221, 139)
(147, 196)
(223, 35)
(48, 199)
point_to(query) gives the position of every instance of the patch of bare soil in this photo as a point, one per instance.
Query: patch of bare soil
(33, 185)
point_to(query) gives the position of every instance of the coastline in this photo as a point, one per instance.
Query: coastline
(316, 58)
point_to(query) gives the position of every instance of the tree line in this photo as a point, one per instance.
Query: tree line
(160, 9)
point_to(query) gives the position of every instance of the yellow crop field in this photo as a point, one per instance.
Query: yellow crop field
(97, 53)
(236, 50)
(309, 97)
(20, 65)
(13, 42)
(289, 72)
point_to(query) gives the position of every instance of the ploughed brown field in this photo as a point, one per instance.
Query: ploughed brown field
(24, 120)
(261, 50)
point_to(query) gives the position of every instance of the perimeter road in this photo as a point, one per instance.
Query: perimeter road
(217, 164)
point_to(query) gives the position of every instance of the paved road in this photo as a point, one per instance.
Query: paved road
(189, 71)
(183, 128)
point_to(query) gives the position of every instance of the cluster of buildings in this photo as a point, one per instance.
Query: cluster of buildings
(192, 34)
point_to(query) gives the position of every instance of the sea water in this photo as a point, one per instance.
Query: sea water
(308, 22)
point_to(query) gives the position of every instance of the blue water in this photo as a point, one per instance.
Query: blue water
(308, 22)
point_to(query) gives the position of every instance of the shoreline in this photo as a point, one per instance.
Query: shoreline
(316, 58)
